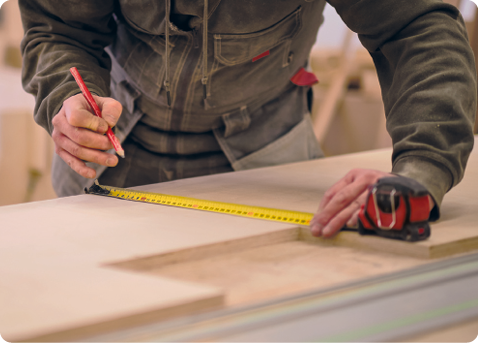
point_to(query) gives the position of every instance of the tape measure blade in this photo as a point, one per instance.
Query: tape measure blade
(247, 211)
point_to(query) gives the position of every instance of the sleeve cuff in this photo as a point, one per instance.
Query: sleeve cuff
(432, 175)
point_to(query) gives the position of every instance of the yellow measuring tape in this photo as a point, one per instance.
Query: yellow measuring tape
(283, 216)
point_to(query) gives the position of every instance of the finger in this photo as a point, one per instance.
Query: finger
(339, 221)
(330, 193)
(341, 200)
(84, 153)
(77, 165)
(110, 109)
(78, 113)
(83, 137)
(353, 220)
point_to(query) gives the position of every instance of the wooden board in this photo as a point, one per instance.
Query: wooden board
(56, 285)
(279, 270)
(82, 265)
(300, 187)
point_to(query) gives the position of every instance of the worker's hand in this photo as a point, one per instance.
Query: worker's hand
(79, 135)
(342, 202)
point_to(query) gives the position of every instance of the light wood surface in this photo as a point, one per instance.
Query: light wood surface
(82, 265)
(278, 270)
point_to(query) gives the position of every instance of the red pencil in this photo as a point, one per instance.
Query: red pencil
(89, 98)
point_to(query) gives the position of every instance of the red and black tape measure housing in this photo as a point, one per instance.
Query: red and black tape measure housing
(396, 207)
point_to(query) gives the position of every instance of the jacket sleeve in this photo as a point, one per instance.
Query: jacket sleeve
(60, 35)
(427, 75)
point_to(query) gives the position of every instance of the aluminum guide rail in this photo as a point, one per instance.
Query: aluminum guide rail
(384, 308)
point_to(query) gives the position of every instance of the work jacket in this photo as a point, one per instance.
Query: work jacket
(234, 78)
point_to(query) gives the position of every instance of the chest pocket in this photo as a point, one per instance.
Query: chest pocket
(237, 49)
(239, 75)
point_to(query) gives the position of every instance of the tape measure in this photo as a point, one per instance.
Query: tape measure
(283, 216)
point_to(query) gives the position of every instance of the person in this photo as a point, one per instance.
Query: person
(203, 87)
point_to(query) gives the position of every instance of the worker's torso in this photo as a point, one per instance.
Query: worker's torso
(243, 113)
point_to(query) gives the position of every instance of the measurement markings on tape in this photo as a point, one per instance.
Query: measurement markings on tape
(278, 215)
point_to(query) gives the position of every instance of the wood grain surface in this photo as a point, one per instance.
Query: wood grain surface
(82, 265)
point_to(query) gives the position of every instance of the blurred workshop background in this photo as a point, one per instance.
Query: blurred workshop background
(347, 114)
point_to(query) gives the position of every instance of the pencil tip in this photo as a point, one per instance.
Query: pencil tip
(120, 153)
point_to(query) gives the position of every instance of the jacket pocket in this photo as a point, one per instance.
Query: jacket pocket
(238, 76)
(233, 49)
(299, 144)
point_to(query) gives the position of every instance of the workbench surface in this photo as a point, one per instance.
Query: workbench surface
(85, 265)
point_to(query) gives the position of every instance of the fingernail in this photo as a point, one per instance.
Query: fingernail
(111, 162)
(327, 232)
(315, 230)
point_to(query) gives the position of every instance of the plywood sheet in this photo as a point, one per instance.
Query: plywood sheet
(57, 256)
(56, 283)
(278, 270)
(300, 186)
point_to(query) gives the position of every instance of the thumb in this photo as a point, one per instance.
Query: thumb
(110, 109)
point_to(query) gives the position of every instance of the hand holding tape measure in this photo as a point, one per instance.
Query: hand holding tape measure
(395, 207)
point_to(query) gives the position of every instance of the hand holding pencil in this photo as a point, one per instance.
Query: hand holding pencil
(111, 136)
(79, 134)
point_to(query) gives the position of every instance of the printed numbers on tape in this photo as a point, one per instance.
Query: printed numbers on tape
(283, 216)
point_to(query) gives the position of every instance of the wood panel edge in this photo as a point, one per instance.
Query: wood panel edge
(370, 243)
(209, 250)
(454, 248)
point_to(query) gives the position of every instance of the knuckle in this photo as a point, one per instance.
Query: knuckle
(322, 221)
(328, 194)
(371, 178)
(115, 108)
(355, 173)
(76, 135)
(55, 120)
(356, 204)
(59, 140)
(111, 111)
(92, 123)
(74, 119)
(341, 198)
(75, 151)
